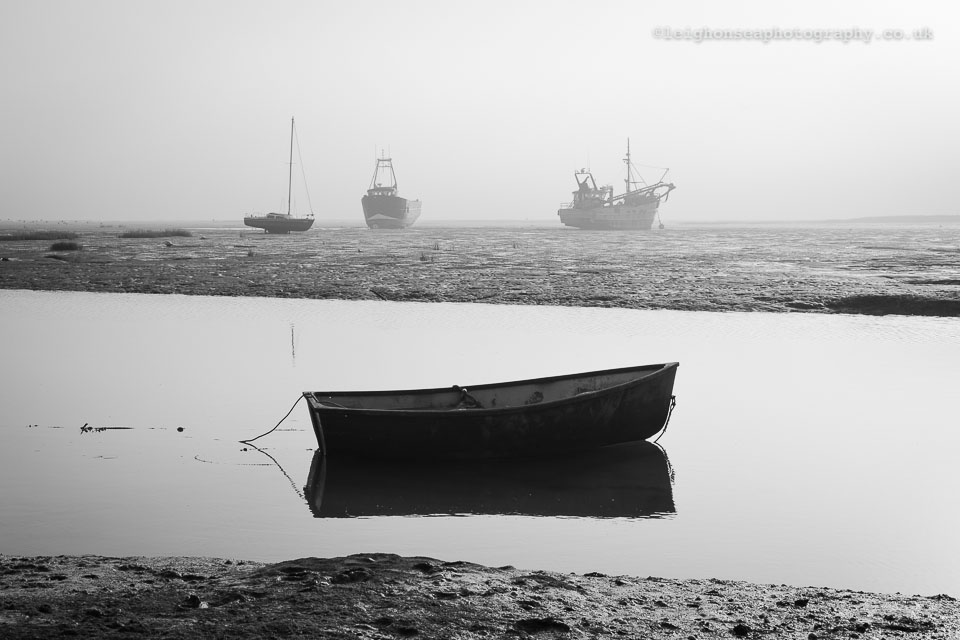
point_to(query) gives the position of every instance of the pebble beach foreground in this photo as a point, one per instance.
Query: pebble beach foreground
(388, 596)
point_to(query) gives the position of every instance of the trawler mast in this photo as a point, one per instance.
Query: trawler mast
(629, 182)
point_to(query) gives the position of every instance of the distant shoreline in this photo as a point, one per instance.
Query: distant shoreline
(918, 219)
(540, 223)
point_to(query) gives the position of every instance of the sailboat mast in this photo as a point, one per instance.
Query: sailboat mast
(290, 174)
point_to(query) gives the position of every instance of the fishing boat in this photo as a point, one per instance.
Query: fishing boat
(596, 207)
(282, 222)
(630, 480)
(383, 208)
(541, 416)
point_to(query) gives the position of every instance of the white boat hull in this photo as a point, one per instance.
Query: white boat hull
(620, 216)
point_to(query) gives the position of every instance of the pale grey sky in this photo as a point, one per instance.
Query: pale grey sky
(180, 110)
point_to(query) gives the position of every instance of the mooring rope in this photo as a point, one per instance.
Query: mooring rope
(282, 470)
(275, 427)
(673, 403)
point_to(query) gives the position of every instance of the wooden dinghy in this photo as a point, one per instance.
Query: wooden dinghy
(541, 416)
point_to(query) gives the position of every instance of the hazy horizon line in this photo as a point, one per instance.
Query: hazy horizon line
(352, 222)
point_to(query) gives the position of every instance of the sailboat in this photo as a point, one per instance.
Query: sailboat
(282, 222)
(597, 208)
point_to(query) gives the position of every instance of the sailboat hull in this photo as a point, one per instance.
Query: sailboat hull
(278, 225)
(389, 212)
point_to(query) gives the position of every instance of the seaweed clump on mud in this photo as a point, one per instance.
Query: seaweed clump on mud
(905, 304)
(37, 235)
(66, 246)
(156, 233)
(387, 596)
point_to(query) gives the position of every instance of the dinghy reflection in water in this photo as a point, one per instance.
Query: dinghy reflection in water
(541, 416)
(632, 480)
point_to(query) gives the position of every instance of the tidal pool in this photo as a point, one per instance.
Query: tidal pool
(805, 449)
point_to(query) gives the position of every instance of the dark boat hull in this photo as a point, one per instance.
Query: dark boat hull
(635, 409)
(278, 225)
(389, 212)
(632, 480)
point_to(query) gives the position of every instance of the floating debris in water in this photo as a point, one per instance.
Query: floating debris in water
(86, 428)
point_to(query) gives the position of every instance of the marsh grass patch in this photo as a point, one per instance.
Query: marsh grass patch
(157, 233)
(38, 235)
(68, 245)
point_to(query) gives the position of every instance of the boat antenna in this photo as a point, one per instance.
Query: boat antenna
(627, 161)
(290, 173)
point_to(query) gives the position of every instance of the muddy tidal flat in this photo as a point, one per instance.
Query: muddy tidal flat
(907, 269)
(388, 596)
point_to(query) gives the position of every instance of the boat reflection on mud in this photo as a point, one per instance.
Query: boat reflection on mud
(633, 480)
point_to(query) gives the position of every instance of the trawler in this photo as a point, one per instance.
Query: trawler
(282, 222)
(598, 208)
(382, 207)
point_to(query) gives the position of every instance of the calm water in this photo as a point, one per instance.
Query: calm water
(805, 449)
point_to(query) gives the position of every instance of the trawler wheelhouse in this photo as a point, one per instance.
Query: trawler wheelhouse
(385, 185)
(587, 193)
